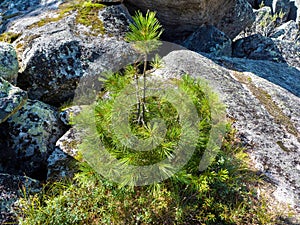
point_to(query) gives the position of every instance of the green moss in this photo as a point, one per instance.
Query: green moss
(87, 15)
(281, 145)
(70, 145)
(9, 37)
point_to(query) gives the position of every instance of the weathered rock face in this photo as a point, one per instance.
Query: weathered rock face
(264, 48)
(269, 24)
(30, 136)
(11, 99)
(181, 18)
(257, 47)
(67, 114)
(210, 40)
(236, 19)
(10, 191)
(55, 56)
(288, 31)
(266, 115)
(290, 8)
(12, 9)
(8, 62)
(62, 163)
(279, 74)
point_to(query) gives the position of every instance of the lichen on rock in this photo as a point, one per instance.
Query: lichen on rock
(11, 99)
(31, 136)
(8, 62)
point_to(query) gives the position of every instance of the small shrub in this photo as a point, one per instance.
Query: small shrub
(218, 195)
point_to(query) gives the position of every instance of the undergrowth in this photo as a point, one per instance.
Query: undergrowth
(222, 194)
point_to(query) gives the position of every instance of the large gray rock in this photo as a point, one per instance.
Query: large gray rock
(55, 56)
(290, 51)
(11, 99)
(8, 62)
(257, 47)
(210, 40)
(13, 9)
(30, 136)
(266, 115)
(10, 191)
(264, 48)
(280, 74)
(288, 31)
(181, 18)
(237, 19)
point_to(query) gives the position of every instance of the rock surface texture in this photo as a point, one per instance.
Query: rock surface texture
(181, 18)
(266, 116)
(61, 163)
(30, 136)
(56, 55)
(210, 40)
(10, 191)
(8, 62)
(11, 99)
(236, 19)
(264, 48)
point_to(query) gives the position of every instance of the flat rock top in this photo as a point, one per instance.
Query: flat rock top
(266, 115)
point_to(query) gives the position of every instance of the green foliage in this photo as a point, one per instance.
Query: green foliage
(145, 32)
(219, 195)
(269, 22)
(156, 108)
(262, 4)
(156, 62)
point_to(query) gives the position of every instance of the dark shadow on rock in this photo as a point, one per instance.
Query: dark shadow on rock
(280, 74)
(267, 58)
(257, 47)
(293, 11)
(9, 162)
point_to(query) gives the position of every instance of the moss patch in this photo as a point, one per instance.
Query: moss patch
(9, 37)
(87, 15)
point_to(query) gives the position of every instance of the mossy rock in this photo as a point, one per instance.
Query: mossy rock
(86, 14)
